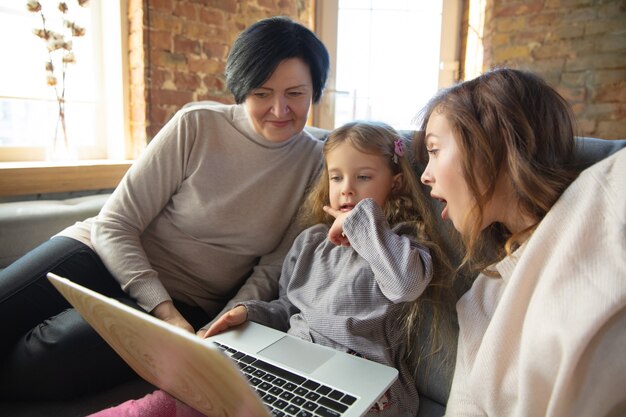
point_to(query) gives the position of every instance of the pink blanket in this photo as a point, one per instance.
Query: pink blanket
(157, 404)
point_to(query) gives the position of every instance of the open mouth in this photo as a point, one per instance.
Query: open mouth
(444, 210)
(346, 207)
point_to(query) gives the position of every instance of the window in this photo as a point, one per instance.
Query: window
(93, 87)
(389, 57)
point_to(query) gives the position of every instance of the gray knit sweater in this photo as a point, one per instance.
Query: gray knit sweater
(350, 298)
(206, 208)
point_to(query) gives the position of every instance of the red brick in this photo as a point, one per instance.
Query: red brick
(611, 93)
(215, 50)
(600, 77)
(616, 24)
(613, 41)
(612, 9)
(161, 39)
(165, 22)
(567, 4)
(611, 129)
(580, 15)
(212, 17)
(165, 59)
(565, 48)
(186, 81)
(219, 98)
(511, 24)
(214, 83)
(544, 19)
(162, 5)
(227, 5)
(572, 94)
(186, 11)
(597, 61)
(509, 53)
(160, 78)
(586, 127)
(170, 97)
(517, 9)
(289, 8)
(566, 32)
(184, 45)
(205, 66)
(202, 32)
(573, 79)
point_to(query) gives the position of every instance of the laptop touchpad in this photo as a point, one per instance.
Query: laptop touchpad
(298, 354)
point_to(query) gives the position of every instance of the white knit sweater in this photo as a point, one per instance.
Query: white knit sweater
(548, 338)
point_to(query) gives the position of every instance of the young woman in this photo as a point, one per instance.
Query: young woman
(365, 256)
(184, 231)
(543, 328)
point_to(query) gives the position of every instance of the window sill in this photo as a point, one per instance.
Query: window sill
(24, 178)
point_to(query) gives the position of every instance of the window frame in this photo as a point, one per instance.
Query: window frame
(43, 177)
(109, 28)
(326, 21)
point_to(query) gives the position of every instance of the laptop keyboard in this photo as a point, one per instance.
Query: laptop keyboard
(286, 393)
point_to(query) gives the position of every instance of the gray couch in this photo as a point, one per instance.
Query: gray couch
(24, 225)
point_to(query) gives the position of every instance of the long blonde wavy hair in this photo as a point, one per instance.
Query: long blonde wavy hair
(407, 205)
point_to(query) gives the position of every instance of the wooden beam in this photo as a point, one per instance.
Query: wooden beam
(37, 178)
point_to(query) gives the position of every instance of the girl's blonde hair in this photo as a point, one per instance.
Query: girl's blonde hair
(407, 205)
(374, 138)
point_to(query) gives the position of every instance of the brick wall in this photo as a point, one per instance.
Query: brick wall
(178, 51)
(579, 46)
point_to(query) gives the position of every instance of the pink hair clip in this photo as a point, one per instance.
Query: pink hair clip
(399, 149)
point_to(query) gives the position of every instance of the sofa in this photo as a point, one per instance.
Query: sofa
(23, 225)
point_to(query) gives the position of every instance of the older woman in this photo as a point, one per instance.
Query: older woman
(204, 215)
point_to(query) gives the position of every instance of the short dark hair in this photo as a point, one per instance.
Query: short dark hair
(259, 49)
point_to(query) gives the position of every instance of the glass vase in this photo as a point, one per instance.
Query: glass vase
(61, 148)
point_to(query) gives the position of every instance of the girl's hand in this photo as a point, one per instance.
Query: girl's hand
(335, 234)
(232, 318)
(168, 313)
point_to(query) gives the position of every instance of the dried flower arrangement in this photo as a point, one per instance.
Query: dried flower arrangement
(60, 54)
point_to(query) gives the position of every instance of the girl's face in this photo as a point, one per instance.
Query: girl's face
(443, 172)
(445, 177)
(354, 176)
(279, 108)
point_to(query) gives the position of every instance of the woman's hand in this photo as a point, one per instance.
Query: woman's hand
(335, 234)
(232, 318)
(168, 313)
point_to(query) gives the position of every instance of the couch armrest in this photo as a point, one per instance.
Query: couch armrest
(26, 224)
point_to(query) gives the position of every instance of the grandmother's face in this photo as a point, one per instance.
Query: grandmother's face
(279, 108)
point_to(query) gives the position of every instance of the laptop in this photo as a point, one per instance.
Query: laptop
(250, 370)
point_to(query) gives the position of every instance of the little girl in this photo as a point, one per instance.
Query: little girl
(347, 278)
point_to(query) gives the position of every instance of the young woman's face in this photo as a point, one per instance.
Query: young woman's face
(280, 107)
(354, 176)
(443, 172)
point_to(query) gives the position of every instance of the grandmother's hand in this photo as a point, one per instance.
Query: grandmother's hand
(167, 312)
(234, 317)
(335, 234)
